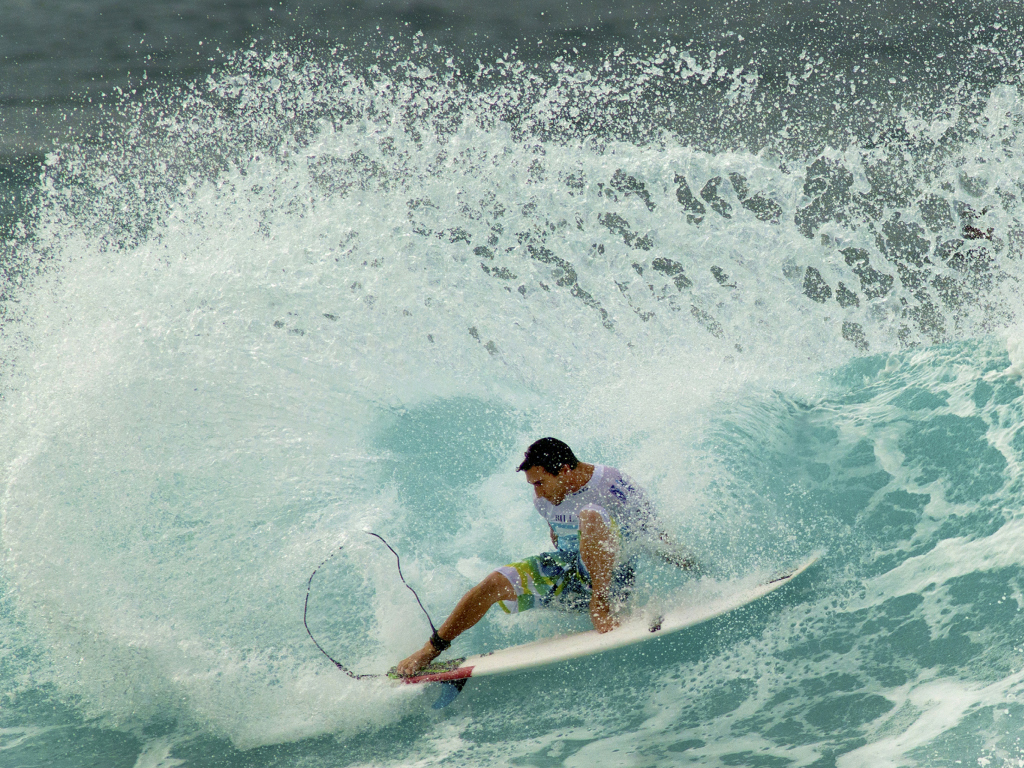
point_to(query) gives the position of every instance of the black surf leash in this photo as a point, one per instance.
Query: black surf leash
(334, 661)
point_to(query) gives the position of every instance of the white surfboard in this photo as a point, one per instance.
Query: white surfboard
(709, 603)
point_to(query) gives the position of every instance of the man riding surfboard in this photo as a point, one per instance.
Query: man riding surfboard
(597, 517)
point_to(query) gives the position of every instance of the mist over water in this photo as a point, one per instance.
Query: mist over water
(312, 295)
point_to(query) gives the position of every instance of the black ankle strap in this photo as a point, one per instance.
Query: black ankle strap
(439, 643)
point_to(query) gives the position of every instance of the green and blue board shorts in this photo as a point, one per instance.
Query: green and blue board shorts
(558, 580)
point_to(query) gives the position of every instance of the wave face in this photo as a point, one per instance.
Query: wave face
(307, 298)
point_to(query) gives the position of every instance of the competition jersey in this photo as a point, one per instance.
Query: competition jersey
(620, 502)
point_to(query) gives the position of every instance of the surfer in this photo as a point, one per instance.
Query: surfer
(596, 516)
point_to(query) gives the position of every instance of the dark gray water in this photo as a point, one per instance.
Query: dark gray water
(59, 60)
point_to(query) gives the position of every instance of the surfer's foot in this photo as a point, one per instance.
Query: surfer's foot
(418, 660)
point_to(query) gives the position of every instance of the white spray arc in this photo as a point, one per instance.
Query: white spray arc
(242, 299)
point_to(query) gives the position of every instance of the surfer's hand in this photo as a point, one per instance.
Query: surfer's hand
(418, 660)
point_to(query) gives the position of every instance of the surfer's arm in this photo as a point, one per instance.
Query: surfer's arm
(597, 551)
(674, 553)
(554, 536)
(658, 543)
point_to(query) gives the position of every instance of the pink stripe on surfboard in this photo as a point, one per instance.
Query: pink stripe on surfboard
(459, 673)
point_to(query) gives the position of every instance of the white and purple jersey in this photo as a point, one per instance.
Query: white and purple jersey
(621, 503)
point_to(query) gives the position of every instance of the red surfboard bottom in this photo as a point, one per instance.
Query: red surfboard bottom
(439, 677)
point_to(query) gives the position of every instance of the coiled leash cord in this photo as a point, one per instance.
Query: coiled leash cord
(437, 641)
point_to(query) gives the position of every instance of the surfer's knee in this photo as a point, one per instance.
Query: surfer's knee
(496, 586)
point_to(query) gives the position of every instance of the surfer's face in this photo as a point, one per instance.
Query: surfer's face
(546, 485)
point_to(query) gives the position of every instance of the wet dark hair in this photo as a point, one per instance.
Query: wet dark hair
(550, 454)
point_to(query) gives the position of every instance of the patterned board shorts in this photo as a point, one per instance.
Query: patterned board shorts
(558, 580)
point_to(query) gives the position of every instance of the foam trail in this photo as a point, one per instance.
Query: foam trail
(308, 299)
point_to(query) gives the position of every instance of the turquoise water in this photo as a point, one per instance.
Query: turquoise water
(303, 300)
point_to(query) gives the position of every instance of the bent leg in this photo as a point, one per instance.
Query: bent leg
(470, 609)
